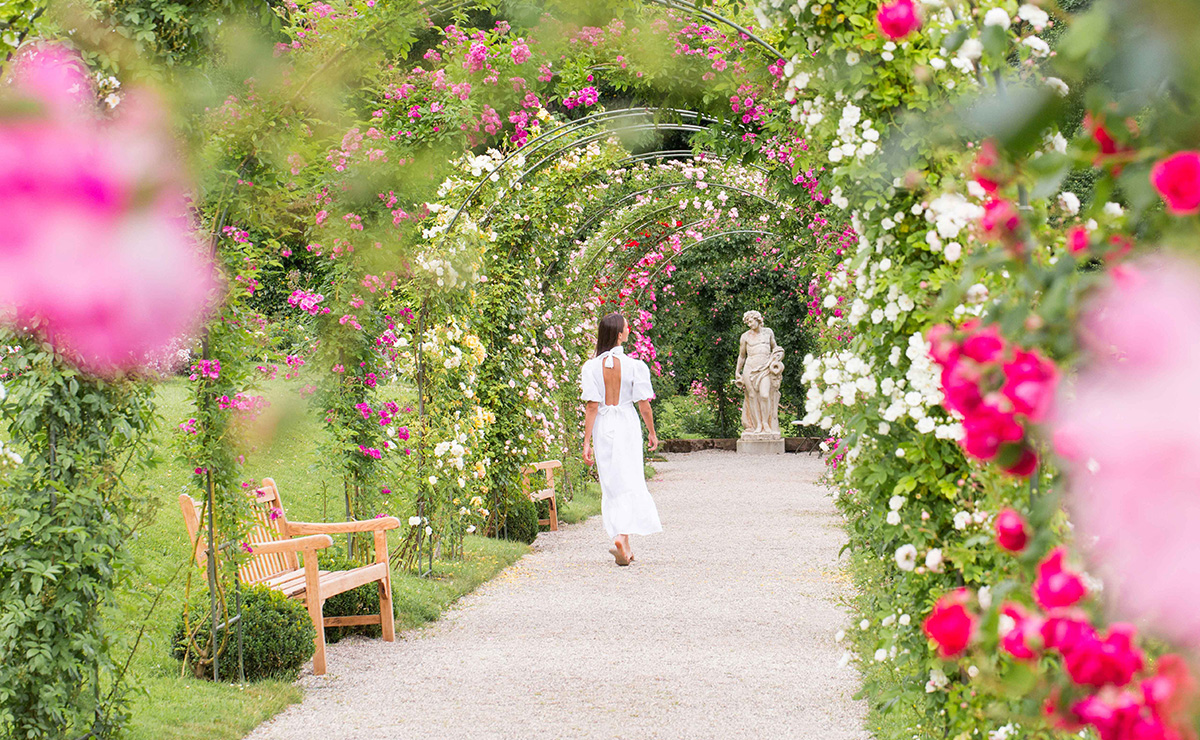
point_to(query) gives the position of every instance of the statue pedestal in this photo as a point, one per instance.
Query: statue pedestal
(760, 444)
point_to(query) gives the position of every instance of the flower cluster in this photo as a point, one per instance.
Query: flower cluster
(997, 388)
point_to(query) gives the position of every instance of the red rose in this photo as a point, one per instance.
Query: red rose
(1099, 662)
(1078, 240)
(984, 169)
(1056, 586)
(1177, 180)
(1065, 631)
(1029, 382)
(1011, 532)
(950, 625)
(1025, 626)
(898, 19)
(986, 429)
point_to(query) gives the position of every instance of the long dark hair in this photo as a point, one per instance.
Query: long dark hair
(607, 337)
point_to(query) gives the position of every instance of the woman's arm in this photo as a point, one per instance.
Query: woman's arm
(648, 417)
(588, 421)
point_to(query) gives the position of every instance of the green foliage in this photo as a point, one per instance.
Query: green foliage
(520, 521)
(65, 515)
(685, 416)
(277, 637)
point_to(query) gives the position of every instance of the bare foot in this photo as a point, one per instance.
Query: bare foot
(618, 553)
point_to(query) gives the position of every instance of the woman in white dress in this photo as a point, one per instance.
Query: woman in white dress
(612, 384)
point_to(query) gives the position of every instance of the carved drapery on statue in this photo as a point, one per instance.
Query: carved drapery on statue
(758, 374)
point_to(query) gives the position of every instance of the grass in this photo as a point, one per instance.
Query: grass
(170, 707)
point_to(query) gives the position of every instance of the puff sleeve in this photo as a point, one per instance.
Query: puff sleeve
(591, 391)
(642, 390)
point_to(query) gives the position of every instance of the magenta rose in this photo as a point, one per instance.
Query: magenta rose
(1177, 180)
(1112, 660)
(986, 429)
(1065, 631)
(898, 19)
(1029, 382)
(1057, 587)
(1017, 459)
(950, 625)
(1026, 629)
(1011, 532)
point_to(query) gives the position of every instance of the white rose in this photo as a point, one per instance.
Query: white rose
(1039, 47)
(962, 519)
(971, 49)
(905, 620)
(953, 251)
(1058, 86)
(906, 557)
(1113, 209)
(1034, 16)
(1069, 202)
(997, 17)
(893, 518)
(881, 655)
(933, 560)
(896, 502)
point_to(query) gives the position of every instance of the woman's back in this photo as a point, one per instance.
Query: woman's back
(627, 381)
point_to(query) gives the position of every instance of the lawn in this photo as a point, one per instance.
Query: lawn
(171, 707)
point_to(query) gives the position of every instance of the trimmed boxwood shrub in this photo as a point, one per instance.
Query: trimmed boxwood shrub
(277, 637)
(521, 523)
(357, 601)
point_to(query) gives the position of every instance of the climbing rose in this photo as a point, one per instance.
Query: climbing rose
(1056, 586)
(1112, 660)
(950, 625)
(520, 52)
(1177, 180)
(898, 19)
(1066, 630)
(96, 244)
(1025, 626)
(1011, 533)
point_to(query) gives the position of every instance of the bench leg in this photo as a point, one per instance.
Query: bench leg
(553, 514)
(312, 597)
(387, 615)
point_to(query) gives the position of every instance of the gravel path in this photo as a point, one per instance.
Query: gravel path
(722, 628)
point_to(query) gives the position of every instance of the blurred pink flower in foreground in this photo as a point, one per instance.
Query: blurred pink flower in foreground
(1131, 434)
(96, 243)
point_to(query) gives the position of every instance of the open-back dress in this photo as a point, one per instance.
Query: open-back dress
(625, 501)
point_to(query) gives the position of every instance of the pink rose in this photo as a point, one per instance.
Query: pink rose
(1177, 180)
(1057, 587)
(1078, 240)
(1029, 382)
(1016, 641)
(1000, 219)
(898, 19)
(950, 625)
(1112, 660)
(984, 345)
(1064, 631)
(1011, 532)
(986, 429)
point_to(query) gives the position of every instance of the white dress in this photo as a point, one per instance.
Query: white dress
(625, 501)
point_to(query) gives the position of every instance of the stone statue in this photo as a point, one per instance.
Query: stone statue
(758, 374)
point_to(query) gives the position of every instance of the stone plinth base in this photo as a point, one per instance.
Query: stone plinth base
(761, 446)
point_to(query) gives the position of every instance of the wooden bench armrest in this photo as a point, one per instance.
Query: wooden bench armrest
(296, 544)
(366, 525)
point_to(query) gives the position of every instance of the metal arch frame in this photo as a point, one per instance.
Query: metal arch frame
(650, 278)
(680, 183)
(708, 14)
(563, 130)
(583, 142)
(662, 238)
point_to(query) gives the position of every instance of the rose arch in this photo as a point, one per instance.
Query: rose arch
(416, 213)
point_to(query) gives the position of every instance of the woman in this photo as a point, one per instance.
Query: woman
(612, 383)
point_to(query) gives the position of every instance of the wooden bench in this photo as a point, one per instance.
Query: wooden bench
(285, 558)
(545, 494)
